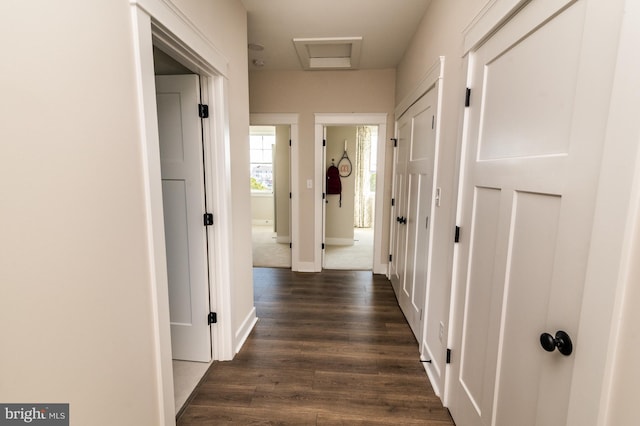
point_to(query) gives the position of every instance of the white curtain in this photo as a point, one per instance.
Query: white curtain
(363, 210)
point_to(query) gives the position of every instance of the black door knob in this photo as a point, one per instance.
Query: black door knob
(403, 220)
(562, 341)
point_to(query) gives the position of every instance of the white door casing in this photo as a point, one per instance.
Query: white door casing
(339, 119)
(420, 124)
(184, 205)
(534, 129)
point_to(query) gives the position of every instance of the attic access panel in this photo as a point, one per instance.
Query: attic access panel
(328, 53)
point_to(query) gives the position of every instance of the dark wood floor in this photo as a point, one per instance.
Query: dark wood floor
(331, 348)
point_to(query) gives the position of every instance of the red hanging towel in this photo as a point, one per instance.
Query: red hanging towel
(334, 186)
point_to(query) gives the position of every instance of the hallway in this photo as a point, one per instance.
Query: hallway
(329, 348)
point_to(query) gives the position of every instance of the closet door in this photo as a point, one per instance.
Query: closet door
(534, 136)
(420, 118)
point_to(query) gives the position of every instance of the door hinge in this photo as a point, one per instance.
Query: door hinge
(203, 111)
(324, 196)
(393, 202)
(324, 142)
(322, 246)
(289, 195)
(212, 318)
(390, 257)
(289, 142)
(208, 219)
(448, 356)
(456, 238)
(395, 142)
(433, 121)
(290, 245)
(467, 97)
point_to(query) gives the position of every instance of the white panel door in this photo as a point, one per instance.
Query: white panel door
(419, 177)
(528, 191)
(183, 199)
(398, 226)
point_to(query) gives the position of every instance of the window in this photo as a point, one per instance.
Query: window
(261, 142)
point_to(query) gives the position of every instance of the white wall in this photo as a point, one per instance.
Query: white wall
(338, 229)
(262, 209)
(282, 176)
(75, 293)
(308, 92)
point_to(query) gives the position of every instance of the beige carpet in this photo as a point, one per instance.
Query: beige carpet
(359, 256)
(267, 252)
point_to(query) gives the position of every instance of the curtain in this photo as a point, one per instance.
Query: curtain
(363, 209)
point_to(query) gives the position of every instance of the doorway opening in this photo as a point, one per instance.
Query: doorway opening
(323, 122)
(269, 153)
(184, 201)
(154, 25)
(275, 199)
(350, 215)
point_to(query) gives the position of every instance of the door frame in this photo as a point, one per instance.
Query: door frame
(349, 119)
(159, 23)
(291, 120)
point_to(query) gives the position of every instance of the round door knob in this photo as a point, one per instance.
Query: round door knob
(562, 341)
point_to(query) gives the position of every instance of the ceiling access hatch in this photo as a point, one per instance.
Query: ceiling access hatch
(331, 53)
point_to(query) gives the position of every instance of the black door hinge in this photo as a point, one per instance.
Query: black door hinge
(467, 97)
(322, 246)
(289, 195)
(208, 219)
(448, 356)
(289, 142)
(324, 196)
(393, 202)
(390, 257)
(203, 111)
(456, 238)
(290, 245)
(395, 142)
(324, 142)
(212, 318)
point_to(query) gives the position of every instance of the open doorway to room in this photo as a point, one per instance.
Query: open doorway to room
(270, 195)
(183, 193)
(350, 214)
(323, 121)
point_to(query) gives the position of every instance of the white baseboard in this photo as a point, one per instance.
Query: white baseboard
(243, 332)
(263, 222)
(339, 241)
(380, 268)
(306, 267)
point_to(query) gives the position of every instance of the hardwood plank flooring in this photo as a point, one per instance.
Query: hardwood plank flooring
(331, 348)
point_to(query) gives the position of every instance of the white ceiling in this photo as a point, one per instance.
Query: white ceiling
(386, 27)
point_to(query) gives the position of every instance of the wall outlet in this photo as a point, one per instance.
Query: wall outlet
(441, 332)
